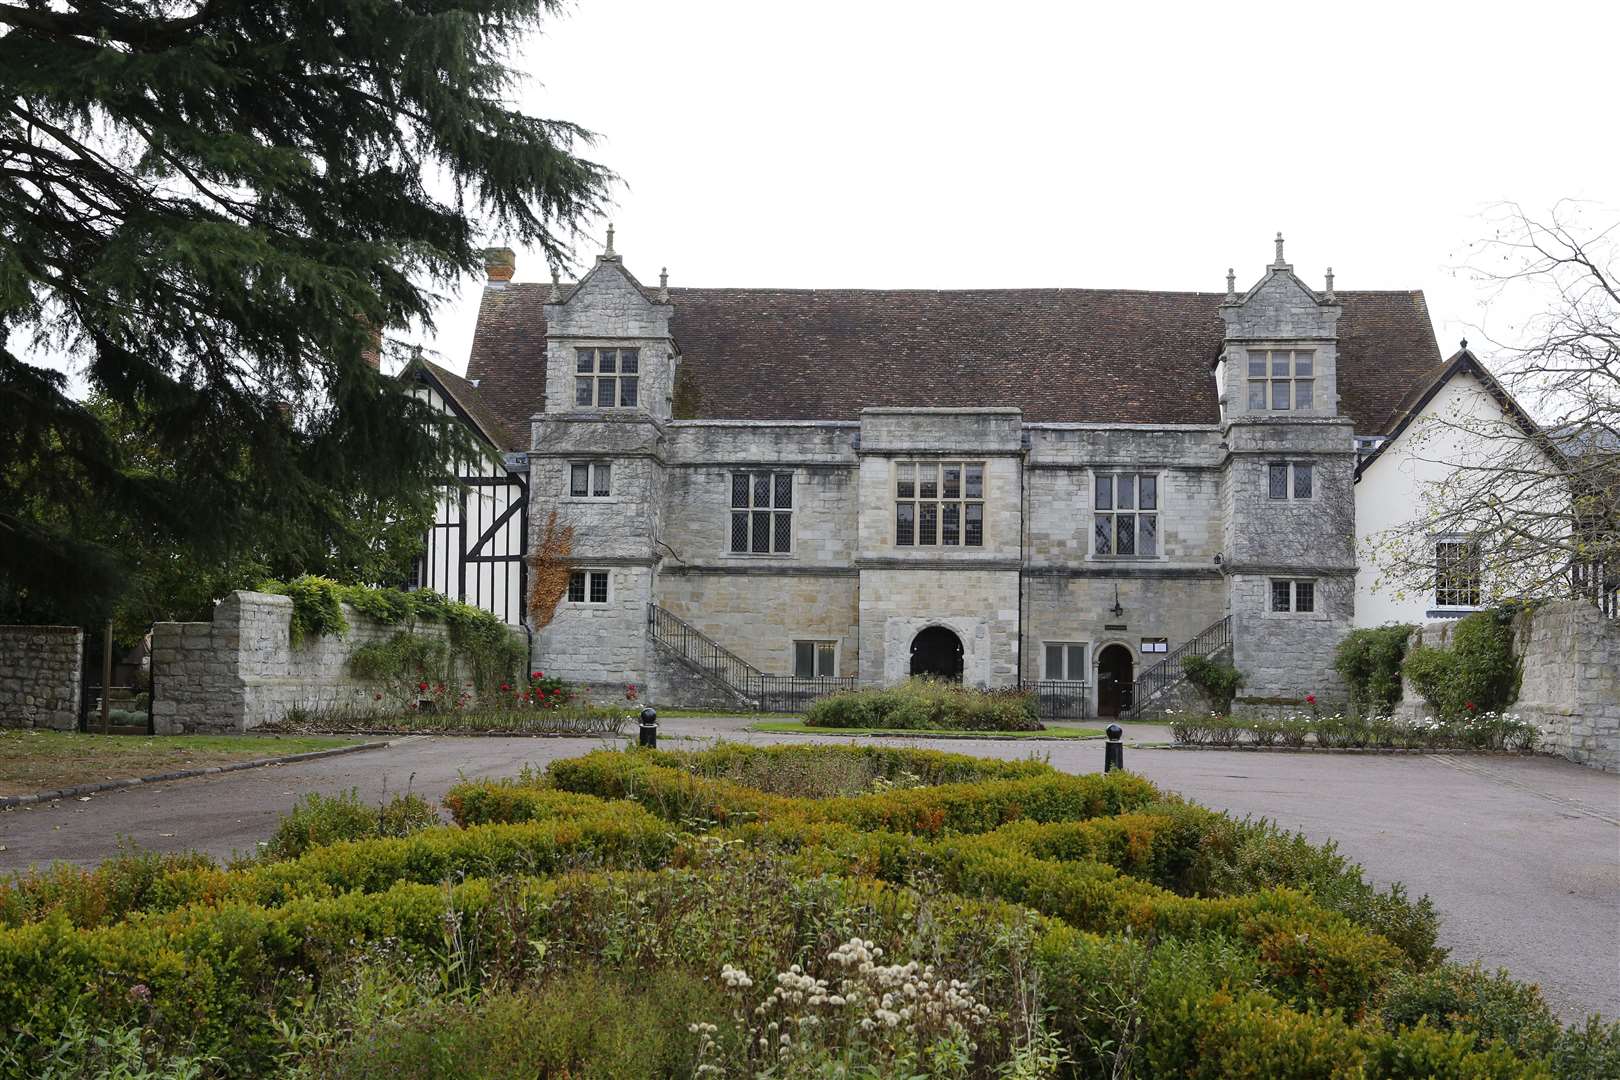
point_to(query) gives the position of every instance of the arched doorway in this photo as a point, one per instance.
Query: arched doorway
(1114, 679)
(937, 654)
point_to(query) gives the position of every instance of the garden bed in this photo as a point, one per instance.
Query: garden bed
(790, 911)
(926, 705)
(569, 720)
(1308, 730)
(1048, 731)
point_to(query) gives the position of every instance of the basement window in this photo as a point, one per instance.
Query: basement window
(815, 659)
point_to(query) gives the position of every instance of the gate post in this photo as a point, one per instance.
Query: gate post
(1114, 750)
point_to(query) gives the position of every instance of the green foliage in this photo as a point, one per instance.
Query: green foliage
(214, 210)
(926, 704)
(1369, 661)
(317, 606)
(575, 933)
(319, 819)
(1477, 673)
(1217, 682)
(401, 665)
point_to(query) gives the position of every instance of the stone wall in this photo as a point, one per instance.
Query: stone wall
(1571, 685)
(40, 672)
(1569, 656)
(241, 670)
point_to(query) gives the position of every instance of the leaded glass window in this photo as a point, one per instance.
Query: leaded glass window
(761, 513)
(939, 504)
(1125, 518)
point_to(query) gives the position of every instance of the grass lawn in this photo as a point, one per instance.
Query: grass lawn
(34, 760)
(1053, 731)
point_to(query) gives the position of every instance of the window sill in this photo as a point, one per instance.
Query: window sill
(1127, 558)
(758, 555)
(1453, 612)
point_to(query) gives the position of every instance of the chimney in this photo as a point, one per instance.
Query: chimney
(499, 264)
(372, 353)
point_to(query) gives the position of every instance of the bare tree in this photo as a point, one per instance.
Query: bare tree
(1525, 502)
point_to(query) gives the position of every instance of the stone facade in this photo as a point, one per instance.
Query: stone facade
(241, 670)
(40, 672)
(1213, 542)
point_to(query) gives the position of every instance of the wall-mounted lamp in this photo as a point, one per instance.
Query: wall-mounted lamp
(1217, 558)
(1116, 609)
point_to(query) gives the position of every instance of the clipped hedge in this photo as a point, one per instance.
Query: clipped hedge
(1224, 948)
(925, 704)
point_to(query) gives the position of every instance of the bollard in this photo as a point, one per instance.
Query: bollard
(1114, 750)
(649, 728)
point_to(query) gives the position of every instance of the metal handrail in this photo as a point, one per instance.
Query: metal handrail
(1167, 672)
(702, 650)
(1060, 699)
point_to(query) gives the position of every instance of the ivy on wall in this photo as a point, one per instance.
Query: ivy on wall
(479, 644)
(1478, 673)
(1370, 661)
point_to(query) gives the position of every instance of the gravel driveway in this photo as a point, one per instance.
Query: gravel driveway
(1521, 855)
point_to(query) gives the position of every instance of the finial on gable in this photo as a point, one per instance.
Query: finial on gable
(608, 254)
(1281, 263)
(1328, 297)
(556, 287)
(663, 285)
(1231, 285)
(1465, 343)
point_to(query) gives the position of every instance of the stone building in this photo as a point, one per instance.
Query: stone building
(1060, 486)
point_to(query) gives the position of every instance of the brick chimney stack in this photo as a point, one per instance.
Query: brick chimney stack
(499, 264)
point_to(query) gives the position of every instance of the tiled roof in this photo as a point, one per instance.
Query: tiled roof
(1083, 355)
(466, 395)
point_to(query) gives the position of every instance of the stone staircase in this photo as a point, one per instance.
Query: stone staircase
(721, 676)
(1155, 685)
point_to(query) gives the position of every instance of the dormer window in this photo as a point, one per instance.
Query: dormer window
(1281, 379)
(606, 378)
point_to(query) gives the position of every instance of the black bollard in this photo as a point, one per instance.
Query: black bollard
(1114, 750)
(649, 728)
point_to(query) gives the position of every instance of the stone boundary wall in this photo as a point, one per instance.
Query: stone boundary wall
(41, 670)
(241, 670)
(1570, 657)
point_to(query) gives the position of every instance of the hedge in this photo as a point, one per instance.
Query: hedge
(922, 704)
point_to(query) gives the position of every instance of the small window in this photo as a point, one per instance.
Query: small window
(590, 479)
(1295, 596)
(1456, 573)
(1065, 661)
(1289, 480)
(1155, 644)
(815, 659)
(588, 587)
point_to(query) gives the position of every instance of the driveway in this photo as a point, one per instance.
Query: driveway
(1520, 855)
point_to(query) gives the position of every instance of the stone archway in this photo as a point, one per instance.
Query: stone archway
(936, 653)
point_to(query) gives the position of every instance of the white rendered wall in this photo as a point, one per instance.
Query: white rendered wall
(1389, 495)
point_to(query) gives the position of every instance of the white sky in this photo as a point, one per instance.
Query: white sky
(943, 145)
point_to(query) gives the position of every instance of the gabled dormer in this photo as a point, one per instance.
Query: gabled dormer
(1280, 355)
(609, 351)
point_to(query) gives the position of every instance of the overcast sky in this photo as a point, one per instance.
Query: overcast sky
(940, 145)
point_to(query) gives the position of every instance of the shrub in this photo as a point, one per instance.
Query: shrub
(1369, 661)
(321, 819)
(317, 606)
(1478, 673)
(1217, 682)
(924, 704)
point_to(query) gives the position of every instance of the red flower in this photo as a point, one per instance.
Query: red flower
(377, 698)
(506, 686)
(537, 674)
(1310, 699)
(1469, 705)
(422, 686)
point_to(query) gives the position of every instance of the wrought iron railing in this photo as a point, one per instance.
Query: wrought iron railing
(1059, 699)
(1599, 582)
(700, 649)
(771, 693)
(1167, 672)
(789, 693)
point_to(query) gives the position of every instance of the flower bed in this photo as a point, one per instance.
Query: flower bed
(924, 704)
(784, 912)
(1474, 730)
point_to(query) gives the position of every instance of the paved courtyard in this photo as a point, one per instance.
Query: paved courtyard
(1521, 855)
